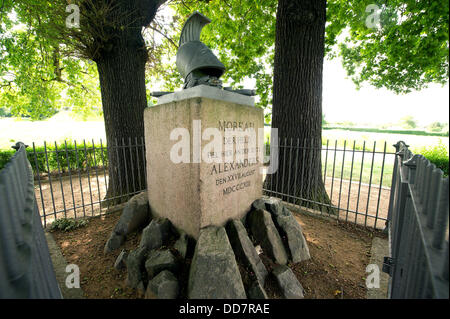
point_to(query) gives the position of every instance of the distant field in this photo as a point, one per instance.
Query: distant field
(63, 127)
(390, 131)
(416, 142)
(59, 128)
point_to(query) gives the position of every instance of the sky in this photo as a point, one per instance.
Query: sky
(342, 102)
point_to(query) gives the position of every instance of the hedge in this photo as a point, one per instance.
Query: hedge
(78, 159)
(437, 155)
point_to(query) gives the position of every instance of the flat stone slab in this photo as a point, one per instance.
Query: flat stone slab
(296, 240)
(163, 286)
(208, 92)
(245, 251)
(214, 273)
(266, 234)
(288, 283)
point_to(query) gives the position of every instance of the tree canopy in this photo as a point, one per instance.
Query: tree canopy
(38, 72)
(401, 45)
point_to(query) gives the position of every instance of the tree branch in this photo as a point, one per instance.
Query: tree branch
(164, 35)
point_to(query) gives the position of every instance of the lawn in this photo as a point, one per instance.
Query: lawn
(56, 129)
(348, 166)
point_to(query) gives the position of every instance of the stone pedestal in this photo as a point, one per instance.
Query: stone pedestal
(196, 187)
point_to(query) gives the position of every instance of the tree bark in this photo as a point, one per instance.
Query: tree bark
(121, 67)
(297, 100)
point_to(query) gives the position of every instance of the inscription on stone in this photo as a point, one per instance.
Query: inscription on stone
(233, 176)
(209, 170)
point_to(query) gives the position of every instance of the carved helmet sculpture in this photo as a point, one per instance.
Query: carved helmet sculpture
(196, 62)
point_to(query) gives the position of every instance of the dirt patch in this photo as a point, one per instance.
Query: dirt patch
(84, 247)
(371, 203)
(340, 253)
(80, 196)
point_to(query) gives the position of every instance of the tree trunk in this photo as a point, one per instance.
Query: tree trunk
(121, 68)
(297, 100)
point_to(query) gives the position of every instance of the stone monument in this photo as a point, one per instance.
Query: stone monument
(203, 144)
(204, 149)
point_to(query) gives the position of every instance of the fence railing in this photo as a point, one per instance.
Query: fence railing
(26, 270)
(357, 179)
(418, 228)
(72, 180)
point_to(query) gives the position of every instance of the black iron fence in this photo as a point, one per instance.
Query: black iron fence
(418, 228)
(72, 179)
(26, 270)
(357, 179)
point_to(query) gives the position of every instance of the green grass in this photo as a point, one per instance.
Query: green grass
(350, 144)
(79, 159)
(68, 224)
(59, 128)
(377, 130)
(355, 173)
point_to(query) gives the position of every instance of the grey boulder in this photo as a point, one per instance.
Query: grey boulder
(155, 234)
(135, 215)
(214, 273)
(135, 267)
(273, 205)
(159, 260)
(163, 286)
(288, 283)
(182, 244)
(121, 260)
(114, 242)
(260, 203)
(244, 250)
(257, 291)
(287, 226)
(265, 232)
(140, 289)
